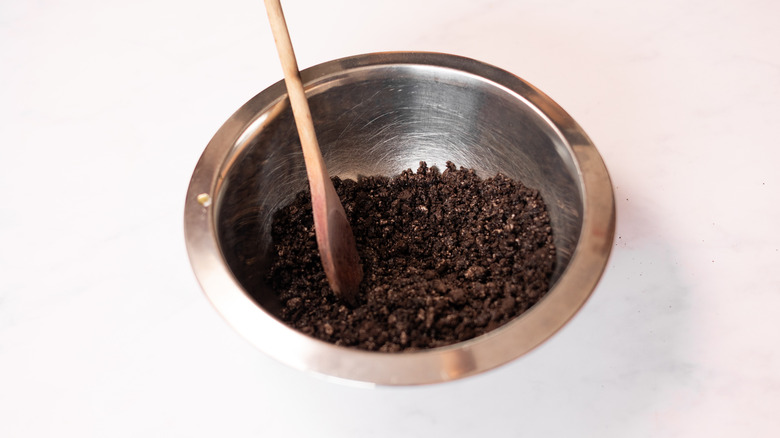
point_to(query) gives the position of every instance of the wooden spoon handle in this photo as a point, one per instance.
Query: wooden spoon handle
(292, 79)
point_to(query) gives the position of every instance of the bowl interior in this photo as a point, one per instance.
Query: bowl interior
(381, 120)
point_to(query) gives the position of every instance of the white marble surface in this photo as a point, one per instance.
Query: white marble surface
(105, 107)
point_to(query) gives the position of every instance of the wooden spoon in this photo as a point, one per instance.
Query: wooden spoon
(334, 235)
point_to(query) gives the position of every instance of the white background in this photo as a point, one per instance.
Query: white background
(106, 106)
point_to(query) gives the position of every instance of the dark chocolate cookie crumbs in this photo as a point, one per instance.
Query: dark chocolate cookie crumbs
(446, 256)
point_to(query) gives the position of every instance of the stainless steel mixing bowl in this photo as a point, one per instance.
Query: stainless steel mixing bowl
(379, 114)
